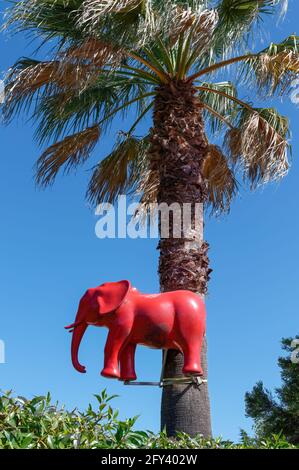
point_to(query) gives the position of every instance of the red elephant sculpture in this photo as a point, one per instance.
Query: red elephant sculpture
(171, 320)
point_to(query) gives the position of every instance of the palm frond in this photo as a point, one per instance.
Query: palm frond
(54, 19)
(109, 57)
(221, 183)
(194, 39)
(120, 172)
(145, 20)
(149, 188)
(237, 18)
(67, 154)
(66, 112)
(276, 66)
(93, 51)
(201, 23)
(128, 20)
(259, 145)
(220, 103)
(273, 68)
(27, 77)
(95, 9)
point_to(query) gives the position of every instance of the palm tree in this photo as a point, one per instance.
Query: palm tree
(170, 59)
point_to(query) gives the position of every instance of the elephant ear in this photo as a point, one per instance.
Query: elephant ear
(112, 295)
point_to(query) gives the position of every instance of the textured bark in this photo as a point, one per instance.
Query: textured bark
(178, 149)
(185, 408)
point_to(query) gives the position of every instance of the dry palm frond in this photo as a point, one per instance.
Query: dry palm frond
(104, 7)
(120, 172)
(69, 153)
(220, 179)
(163, 19)
(95, 52)
(182, 20)
(276, 66)
(201, 22)
(277, 71)
(204, 27)
(149, 189)
(151, 22)
(24, 82)
(93, 10)
(221, 183)
(147, 18)
(260, 145)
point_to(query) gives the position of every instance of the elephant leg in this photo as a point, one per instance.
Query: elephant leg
(127, 362)
(115, 341)
(192, 363)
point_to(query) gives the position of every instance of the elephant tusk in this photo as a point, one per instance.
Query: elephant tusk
(73, 326)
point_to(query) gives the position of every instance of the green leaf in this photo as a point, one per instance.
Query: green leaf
(50, 442)
(237, 18)
(219, 103)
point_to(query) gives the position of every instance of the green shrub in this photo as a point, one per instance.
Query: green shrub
(39, 424)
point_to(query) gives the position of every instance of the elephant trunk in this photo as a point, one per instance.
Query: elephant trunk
(78, 329)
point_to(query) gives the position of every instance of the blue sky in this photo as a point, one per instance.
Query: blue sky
(50, 255)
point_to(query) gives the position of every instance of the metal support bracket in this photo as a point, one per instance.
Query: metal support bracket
(195, 380)
(166, 382)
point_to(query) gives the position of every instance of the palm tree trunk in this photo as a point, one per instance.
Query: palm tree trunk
(178, 149)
